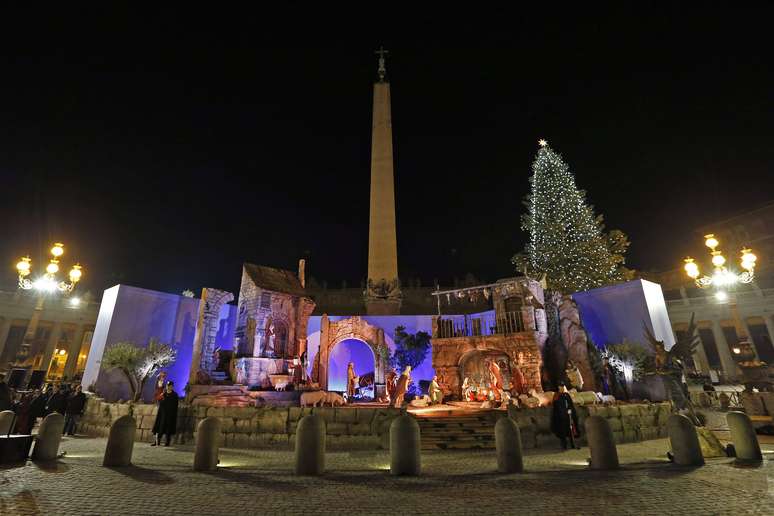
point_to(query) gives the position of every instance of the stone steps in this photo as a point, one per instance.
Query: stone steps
(447, 432)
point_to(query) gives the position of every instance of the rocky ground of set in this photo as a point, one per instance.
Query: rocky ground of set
(462, 482)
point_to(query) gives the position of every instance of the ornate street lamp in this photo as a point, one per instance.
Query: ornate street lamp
(43, 285)
(48, 283)
(724, 279)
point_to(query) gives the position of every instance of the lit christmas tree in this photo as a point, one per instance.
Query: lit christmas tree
(567, 242)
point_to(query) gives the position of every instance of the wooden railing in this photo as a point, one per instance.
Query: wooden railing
(477, 325)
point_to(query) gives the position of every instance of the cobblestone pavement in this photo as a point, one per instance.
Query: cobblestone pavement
(463, 482)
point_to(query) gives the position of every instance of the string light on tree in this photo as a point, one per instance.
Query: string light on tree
(567, 241)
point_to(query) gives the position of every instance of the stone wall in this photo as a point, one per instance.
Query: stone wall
(629, 423)
(358, 428)
(250, 427)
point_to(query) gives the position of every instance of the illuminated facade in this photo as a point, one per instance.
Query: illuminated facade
(718, 328)
(60, 333)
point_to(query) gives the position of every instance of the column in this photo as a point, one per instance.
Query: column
(322, 353)
(748, 336)
(199, 337)
(29, 335)
(684, 296)
(726, 360)
(5, 327)
(700, 358)
(53, 340)
(74, 352)
(769, 326)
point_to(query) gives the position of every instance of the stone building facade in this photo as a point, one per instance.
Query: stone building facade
(718, 326)
(512, 335)
(50, 334)
(272, 316)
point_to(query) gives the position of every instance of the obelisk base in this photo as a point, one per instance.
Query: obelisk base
(383, 306)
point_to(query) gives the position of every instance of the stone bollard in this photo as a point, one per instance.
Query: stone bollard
(743, 436)
(684, 441)
(508, 445)
(513, 410)
(6, 422)
(120, 444)
(208, 444)
(601, 444)
(310, 445)
(405, 441)
(48, 438)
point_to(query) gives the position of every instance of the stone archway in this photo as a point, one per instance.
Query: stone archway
(333, 332)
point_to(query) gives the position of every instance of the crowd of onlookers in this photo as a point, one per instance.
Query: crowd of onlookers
(32, 405)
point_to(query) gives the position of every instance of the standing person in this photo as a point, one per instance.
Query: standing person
(495, 376)
(391, 381)
(158, 392)
(75, 405)
(24, 419)
(37, 406)
(402, 387)
(351, 381)
(5, 396)
(166, 418)
(564, 419)
(518, 382)
(57, 402)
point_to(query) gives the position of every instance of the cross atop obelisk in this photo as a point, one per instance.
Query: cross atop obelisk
(382, 70)
(382, 295)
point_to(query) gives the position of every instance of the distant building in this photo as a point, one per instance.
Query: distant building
(60, 332)
(755, 302)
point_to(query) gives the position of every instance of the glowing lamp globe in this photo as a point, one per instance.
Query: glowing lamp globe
(711, 241)
(748, 259)
(717, 259)
(57, 250)
(52, 268)
(691, 268)
(23, 266)
(76, 273)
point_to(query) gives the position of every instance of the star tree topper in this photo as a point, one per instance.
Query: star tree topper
(542, 142)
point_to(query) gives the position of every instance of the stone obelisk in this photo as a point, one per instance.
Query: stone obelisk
(382, 294)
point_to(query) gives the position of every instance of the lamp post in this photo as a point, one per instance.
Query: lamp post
(724, 280)
(44, 285)
(47, 283)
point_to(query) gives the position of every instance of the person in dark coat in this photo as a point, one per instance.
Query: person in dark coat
(564, 419)
(57, 402)
(24, 419)
(76, 402)
(38, 406)
(166, 418)
(5, 396)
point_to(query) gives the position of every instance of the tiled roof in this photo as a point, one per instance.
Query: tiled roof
(276, 280)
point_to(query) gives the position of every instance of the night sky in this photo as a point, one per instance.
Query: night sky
(166, 148)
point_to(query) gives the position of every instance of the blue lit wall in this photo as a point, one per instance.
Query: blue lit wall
(613, 313)
(350, 350)
(136, 315)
